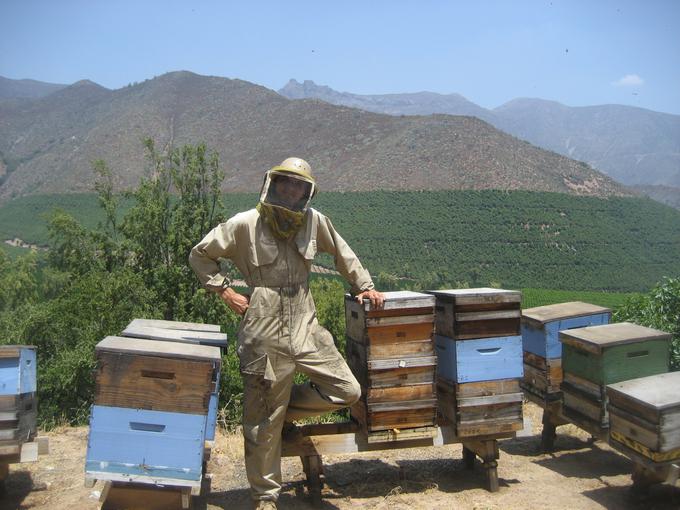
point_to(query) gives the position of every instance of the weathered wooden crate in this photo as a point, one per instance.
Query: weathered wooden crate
(17, 369)
(483, 359)
(481, 408)
(145, 446)
(644, 414)
(542, 376)
(477, 313)
(391, 353)
(541, 325)
(18, 418)
(186, 332)
(155, 375)
(595, 356)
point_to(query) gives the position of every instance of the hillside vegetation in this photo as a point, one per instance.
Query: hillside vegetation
(435, 239)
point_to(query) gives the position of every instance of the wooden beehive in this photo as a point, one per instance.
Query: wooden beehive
(477, 313)
(150, 414)
(481, 408)
(390, 352)
(185, 332)
(18, 402)
(540, 340)
(596, 356)
(644, 415)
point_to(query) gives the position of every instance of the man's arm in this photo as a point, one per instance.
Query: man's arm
(204, 260)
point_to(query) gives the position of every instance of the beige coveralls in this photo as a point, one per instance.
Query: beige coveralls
(279, 333)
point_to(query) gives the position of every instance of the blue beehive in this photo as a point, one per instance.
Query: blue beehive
(17, 370)
(541, 325)
(142, 444)
(484, 359)
(155, 404)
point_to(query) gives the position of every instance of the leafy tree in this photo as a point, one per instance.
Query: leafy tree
(659, 309)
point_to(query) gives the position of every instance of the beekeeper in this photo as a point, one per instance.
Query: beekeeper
(273, 246)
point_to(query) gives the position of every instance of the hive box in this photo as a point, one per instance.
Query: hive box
(477, 313)
(17, 369)
(644, 415)
(185, 332)
(595, 356)
(483, 359)
(541, 325)
(18, 402)
(391, 353)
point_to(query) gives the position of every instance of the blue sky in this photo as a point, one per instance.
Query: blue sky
(576, 52)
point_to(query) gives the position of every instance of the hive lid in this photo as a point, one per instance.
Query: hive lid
(659, 391)
(144, 347)
(482, 294)
(176, 335)
(400, 299)
(188, 326)
(597, 338)
(14, 351)
(549, 313)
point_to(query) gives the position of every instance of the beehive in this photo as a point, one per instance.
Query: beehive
(391, 353)
(151, 406)
(479, 357)
(540, 340)
(644, 415)
(18, 402)
(596, 356)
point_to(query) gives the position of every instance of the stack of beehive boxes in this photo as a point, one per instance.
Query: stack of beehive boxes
(186, 332)
(644, 417)
(18, 403)
(149, 418)
(596, 356)
(542, 347)
(479, 351)
(391, 353)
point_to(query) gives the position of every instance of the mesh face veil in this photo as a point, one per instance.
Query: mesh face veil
(287, 190)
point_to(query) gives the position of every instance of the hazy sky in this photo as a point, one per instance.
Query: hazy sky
(575, 52)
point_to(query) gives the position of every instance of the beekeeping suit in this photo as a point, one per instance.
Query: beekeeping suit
(273, 246)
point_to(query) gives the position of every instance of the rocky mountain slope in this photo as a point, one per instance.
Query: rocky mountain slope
(48, 144)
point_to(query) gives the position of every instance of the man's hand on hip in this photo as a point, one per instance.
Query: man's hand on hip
(377, 298)
(237, 302)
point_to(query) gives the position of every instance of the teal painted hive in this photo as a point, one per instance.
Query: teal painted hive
(615, 352)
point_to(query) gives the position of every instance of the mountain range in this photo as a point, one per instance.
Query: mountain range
(48, 142)
(636, 147)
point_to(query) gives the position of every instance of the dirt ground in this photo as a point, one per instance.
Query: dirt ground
(577, 476)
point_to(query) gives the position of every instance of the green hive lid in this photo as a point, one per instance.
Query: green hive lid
(549, 313)
(597, 338)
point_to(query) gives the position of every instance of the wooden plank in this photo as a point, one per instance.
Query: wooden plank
(486, 329)
(188, 326)
(669, 456)
(410, 362)
(489, 400)
(176, 335)
(595, 338)
(141, 497)
(477, 389)
(554, 365)
(145, 479)
(541, 380)
(399, 435)
(401, 393)
(159, 348)
(151, 382)
(398, 333)
(399, 320)
(584, 385)
(623, 424)
(401, 349)
(403, 405)
(401, 377)
(549, 313)
(487, 316)
(14, 350)
(488, 428)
